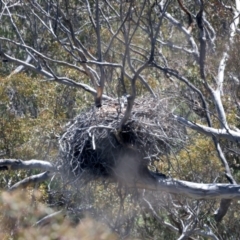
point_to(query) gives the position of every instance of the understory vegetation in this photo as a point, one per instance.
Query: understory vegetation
(119, 119)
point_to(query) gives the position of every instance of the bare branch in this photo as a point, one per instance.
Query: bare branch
(161, 220)
(202, 37)
(190, 189)
(47, 219)
(219, 133)
(132, 97)
(21, 67)
(62, 80)
(16, 164)
(185, 31)
(190, 18)
(222, 210)
(207, 232)
(41, 177)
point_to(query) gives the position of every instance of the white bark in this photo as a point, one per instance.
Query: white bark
(16, 164)
(32, 180)
(209, 131)
(189, 189)
(193, 190)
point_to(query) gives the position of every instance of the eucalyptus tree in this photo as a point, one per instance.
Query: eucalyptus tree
(112, 48)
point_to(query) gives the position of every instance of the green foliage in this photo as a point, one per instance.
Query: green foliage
(33, 111)
(32, 114)
(21, 210)
(197, 162)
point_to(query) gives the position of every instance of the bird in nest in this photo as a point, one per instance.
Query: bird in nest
(116, 105)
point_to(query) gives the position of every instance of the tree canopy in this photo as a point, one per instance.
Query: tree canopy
(126, 112)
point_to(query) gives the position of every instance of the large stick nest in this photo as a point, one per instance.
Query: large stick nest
(94, 146)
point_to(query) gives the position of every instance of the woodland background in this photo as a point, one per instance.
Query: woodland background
(59, 58)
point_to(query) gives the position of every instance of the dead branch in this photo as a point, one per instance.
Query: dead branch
(190, 18)
(191, 189)
(16, 164)
(47, 219)
(38, 178)
(210, 131)
(160, 219)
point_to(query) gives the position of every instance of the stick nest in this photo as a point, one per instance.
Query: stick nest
(94, 146)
